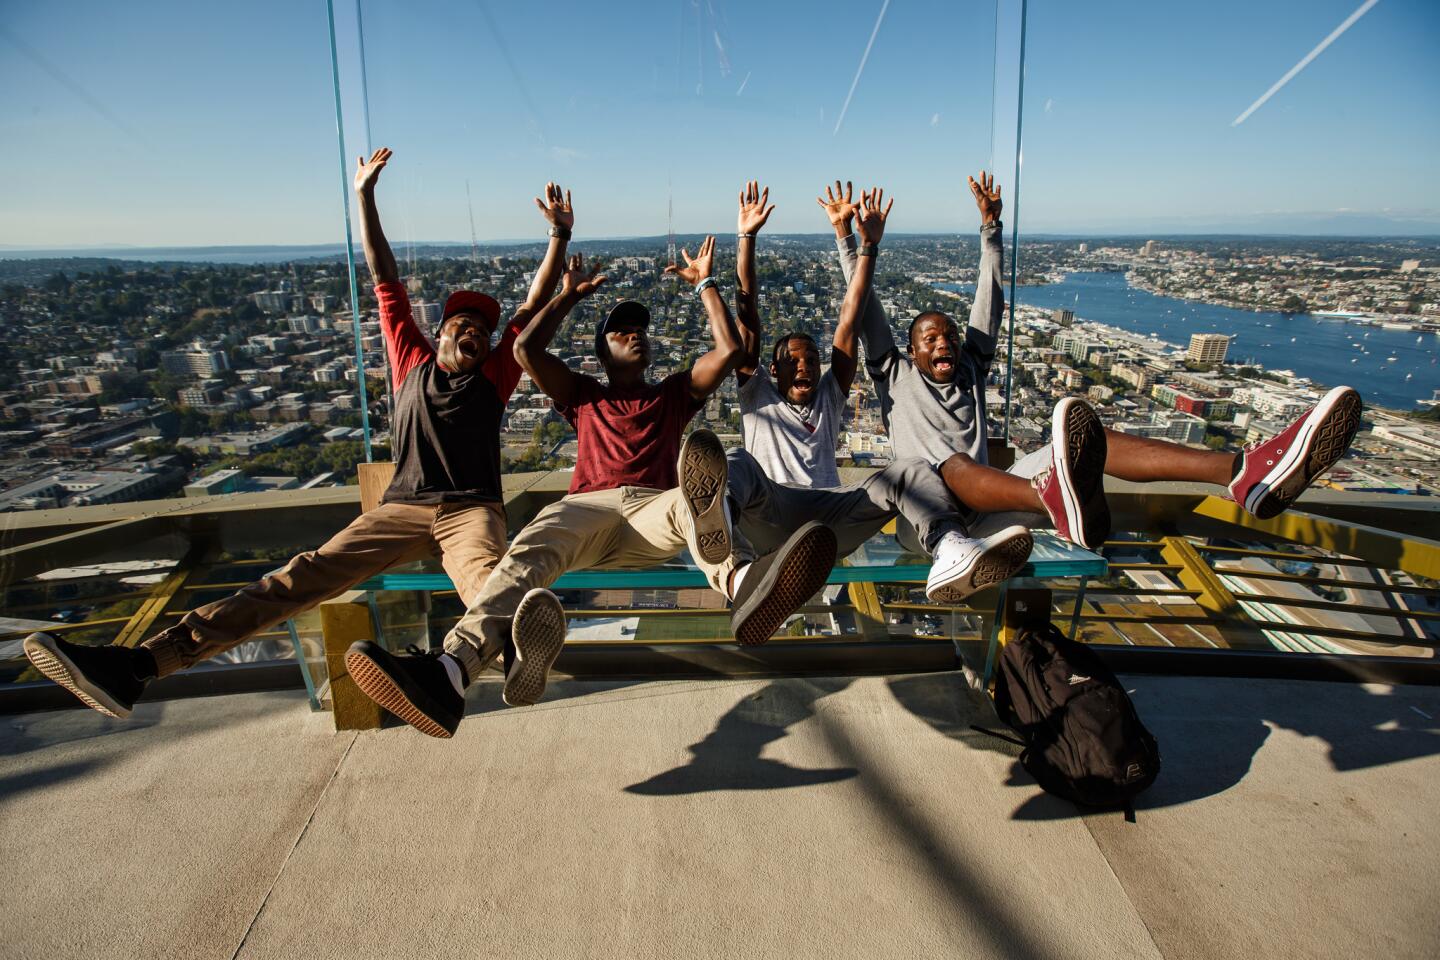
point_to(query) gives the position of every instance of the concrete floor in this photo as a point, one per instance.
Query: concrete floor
(696, 819)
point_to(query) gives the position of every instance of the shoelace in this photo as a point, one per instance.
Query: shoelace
(415, 651)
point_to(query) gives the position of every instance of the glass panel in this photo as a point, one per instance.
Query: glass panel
(171, 264)
(1218, 226)
(654, 122)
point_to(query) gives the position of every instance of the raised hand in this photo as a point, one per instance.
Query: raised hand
(699, 267)
(578, 282)
(753, 211)
(839, 206)
(367, 173)
(871, 222)
(556, 207)
(987, 197)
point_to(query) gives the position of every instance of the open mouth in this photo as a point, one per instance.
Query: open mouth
(468, 347)
(803, 383)
(944, 364)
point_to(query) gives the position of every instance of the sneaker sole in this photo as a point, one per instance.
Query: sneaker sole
(59, 668)
(539, 635)
(1086, 509)
(795, 578)
(379, 686)
(996, 565)
(702, 482)
(1325, 438)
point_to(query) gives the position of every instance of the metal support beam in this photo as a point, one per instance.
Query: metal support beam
(154, 606)
(1390, 549)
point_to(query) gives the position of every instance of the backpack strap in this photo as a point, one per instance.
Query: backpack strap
(1000, 736)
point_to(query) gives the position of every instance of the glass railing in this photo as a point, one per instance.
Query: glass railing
(1203, 228)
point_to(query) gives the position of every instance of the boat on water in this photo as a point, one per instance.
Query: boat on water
(1391, 359)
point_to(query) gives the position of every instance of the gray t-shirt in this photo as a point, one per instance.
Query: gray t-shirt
(794, 445)
(927, 419)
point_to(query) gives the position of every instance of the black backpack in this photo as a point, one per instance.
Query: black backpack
(1083, 740)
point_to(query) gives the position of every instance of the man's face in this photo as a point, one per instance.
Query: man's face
(797, 371)
(935, 347)
(464, 343)
(627, 345)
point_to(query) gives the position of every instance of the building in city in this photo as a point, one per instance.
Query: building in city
(197, 360)
(1207, 348)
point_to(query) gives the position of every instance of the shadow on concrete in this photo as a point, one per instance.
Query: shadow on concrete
(16, 785)
(1209, 733)
(729, 757)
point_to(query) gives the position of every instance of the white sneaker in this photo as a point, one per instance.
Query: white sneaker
(962, 566)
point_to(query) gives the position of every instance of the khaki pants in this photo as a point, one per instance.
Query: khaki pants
(470, 538)
(627, 528)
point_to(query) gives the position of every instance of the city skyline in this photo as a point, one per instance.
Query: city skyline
(120, 143)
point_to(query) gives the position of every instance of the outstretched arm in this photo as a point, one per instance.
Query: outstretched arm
(874, 327)
(378, 255)
(989, 306)
(560, 214)
(710, 370)
(871, 224)
(753, 214)
(531, 347)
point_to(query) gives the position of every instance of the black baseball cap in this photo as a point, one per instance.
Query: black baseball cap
(626, 311)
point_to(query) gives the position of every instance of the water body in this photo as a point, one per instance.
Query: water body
(1328, 351)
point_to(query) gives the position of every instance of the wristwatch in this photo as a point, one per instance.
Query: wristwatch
(869, 250)
(562, 232)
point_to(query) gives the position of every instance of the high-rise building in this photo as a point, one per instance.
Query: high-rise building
(1207, 348)
(1149, 248)
(1084, 248)
(426, 314)
(1063, 317)
(1409, 266)
(197, 361)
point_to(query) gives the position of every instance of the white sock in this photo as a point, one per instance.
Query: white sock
(453, 671)
(735, 581)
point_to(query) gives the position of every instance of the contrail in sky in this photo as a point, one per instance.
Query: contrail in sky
(1305, 62)
(66, 81)
(865, 56)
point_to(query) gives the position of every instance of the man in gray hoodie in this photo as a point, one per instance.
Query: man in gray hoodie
(932, 400)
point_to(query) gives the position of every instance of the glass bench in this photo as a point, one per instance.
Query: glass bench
(880, 560)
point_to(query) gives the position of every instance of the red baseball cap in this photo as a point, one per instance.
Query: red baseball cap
(468, 301)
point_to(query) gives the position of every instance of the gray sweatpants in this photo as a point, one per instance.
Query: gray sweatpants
(766, 512)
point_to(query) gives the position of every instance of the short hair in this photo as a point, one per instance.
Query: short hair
(927, 315)
(783, 341)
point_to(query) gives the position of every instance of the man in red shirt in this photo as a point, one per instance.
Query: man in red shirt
(445, 496)
(638, 497)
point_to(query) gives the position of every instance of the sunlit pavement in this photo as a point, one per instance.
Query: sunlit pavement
(787, 818)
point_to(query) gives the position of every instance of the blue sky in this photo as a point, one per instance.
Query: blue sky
(160, 123)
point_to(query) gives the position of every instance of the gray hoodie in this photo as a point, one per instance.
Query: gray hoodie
(927, 419)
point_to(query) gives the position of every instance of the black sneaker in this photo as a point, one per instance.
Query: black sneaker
(538, 632)
(414, 686)
(104, 677)
(776, 584)
(702, 480)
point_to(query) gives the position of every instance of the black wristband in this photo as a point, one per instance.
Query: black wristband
(558, 231)
(869, 250)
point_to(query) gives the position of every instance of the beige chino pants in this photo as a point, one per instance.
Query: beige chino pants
(469, 537)
(627, 528)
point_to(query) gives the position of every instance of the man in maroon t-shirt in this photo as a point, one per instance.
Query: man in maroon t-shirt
(630, 506)
(446, 495)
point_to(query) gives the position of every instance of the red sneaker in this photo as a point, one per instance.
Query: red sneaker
(1073, 488)
(1274, 472)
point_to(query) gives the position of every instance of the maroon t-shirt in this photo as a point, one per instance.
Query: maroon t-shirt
(629, 437)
